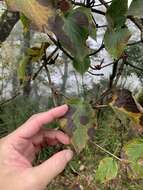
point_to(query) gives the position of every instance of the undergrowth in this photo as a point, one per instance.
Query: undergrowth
(80, 174)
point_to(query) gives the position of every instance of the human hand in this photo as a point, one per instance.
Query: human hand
(18, 150)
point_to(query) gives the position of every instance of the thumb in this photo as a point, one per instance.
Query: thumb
(49, 169)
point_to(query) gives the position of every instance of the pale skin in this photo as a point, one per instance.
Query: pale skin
(18, 150)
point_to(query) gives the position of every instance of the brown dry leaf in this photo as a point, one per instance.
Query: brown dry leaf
(123, 101)
(40, 12)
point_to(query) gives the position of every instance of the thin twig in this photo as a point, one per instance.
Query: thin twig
(98, 50)
(119, 74)
(114, 72)
(106, 151)
(60, 47)
(105, 93)
(10, 99)
(104, 3)
(102, 26)
(83, 4)
(107, 65)
(47, 60)
(135, 43)
(100, 4)
(51, 86)
(135, 67)
(94, 74)
(99, 67)
(98, 12)
(138, 23)
(100, 106)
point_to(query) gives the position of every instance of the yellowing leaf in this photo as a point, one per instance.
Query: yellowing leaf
(116, 41)
(124, 102)
(133, 151)
(107, 170)
(38, 11)
(22, 67)
(78, 122)
(35, 53)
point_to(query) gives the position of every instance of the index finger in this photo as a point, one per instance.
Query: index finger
(32, 126)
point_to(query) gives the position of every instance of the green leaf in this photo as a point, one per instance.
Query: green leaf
(92, 25)
(134, 153)
(116, 13)
(77, 123)
(134, 149)
(73, 30)
(117, 34)
(107, 170)
(136, 8)
(25, 22)
(35, 53)
(81, 64)
(116, 40)
(75, 26)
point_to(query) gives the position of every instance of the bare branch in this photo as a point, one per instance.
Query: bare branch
(97, 51)
(135, 67)
(104, 3)
(98, 5)
(114, 72)
(135, 43)
(10, 99)
(47, 61)
(54, 96)
(95, 74)
(83, 4)
(60, 47)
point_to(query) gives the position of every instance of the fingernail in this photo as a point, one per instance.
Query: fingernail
(69, 155)
(65, 105)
